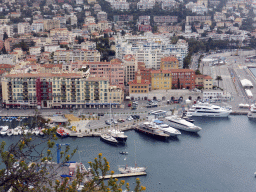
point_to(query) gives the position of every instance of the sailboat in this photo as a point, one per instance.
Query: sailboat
(129, 169)
(117, 134)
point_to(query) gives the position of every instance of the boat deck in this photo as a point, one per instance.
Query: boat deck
(124, 175)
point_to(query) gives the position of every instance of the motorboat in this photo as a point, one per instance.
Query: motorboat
(253, 108)
(4, 130)
(208, 110)
(128, 169)
(169, 130)
(165, 128)
(241, 105)
(36, 131)
(9, 132)
(182, 124)
(61, 132)
(123, 152)
(148, 128)
(108, 139)
(16, 131)
(118, 135)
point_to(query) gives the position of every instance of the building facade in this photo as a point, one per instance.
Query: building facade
(161, 79)
(169, 63)
(183, 78)
(61, 90)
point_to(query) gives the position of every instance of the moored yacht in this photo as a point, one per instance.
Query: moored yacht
(108, 139)
(126, 169)
(169, 130)
(118, 135)
(208, 110)
(149, 129)
(182, 124)
(4, 130)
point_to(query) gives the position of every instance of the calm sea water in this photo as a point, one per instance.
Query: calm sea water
(221, 157)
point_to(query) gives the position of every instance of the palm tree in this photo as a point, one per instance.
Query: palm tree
(218, 78)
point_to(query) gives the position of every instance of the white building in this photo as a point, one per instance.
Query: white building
(79, 2)
(120, 5)
(102, 16)
(35, 51)
(8, 29)
(37, 26)
(8, 59)
(216, 95)
(24, 28)
(146, 4)
(150, 48)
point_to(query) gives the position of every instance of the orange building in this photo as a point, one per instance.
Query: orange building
(169, 63)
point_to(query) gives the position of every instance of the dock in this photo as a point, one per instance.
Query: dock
(124, 175)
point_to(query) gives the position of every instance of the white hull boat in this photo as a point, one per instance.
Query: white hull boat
(126, 169)
(208, 110)
(169, 130)
(108, 139)
(9, 132)
(182, 124)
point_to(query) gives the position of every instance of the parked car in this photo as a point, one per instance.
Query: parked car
(120, 120)
(129, 118)
(108, 122)
(100, 114)
(114, 121)
(129, 105)
(135, 116)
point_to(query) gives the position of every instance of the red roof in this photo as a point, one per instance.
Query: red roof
(143, 81)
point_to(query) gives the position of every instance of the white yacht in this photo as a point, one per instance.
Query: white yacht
(9, 132)
(126, 169)
(182, 124)
(4, 130)
(108, 139)
(208, 110)
(253, 108)
(169, 130)
(118, 135)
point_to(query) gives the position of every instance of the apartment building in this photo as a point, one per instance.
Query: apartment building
(59, 32)
(24, 28)
(204, 81)
(130, 67)
(60, 90)
(51, 24)
(168, 63)
(8, 29)
(123, 18)
(120, 5)
(150, 49)
(37, 26)
(144, 19)
(183, 78)
(169, 4)
(161, 79)
(165, 19)
(35, 51)
(138, 88)
(190, 19)
(114, 71)
(145, 4)
(66, 56)
(102, 16)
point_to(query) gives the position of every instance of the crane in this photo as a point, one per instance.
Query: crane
(58, 150)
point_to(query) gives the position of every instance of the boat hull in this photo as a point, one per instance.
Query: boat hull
(161, 137)
(196, 114)
(183, 127)
(108, 141)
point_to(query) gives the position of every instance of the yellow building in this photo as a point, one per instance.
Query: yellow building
(204, 81)
(169, 63)
(161, 79)
(59, 32)
(115, 94)
(138, 87)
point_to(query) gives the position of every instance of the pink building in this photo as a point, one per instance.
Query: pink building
(113, 70)
(145, 28)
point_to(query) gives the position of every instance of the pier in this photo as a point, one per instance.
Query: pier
(124, 175)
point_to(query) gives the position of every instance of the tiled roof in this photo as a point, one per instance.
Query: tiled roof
(169, 59)
(40, 75)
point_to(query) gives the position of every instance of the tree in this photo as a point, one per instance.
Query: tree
(29, 169)
(218, 78)
(5, 36)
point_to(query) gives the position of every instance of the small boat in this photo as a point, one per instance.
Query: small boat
(36, 131)
(123, 152)
(127, 169)
(9, 132)
(108, 139)
(16, 131)
(61, 133)
(118, 135)
(4, 130)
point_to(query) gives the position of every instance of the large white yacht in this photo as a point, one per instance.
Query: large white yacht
(208, 110)
(182, 124)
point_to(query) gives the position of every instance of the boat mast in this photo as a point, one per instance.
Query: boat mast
(135, 154)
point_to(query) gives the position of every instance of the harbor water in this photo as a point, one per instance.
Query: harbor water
(221, 157)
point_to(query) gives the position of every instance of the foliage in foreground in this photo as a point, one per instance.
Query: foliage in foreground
(28, 167)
